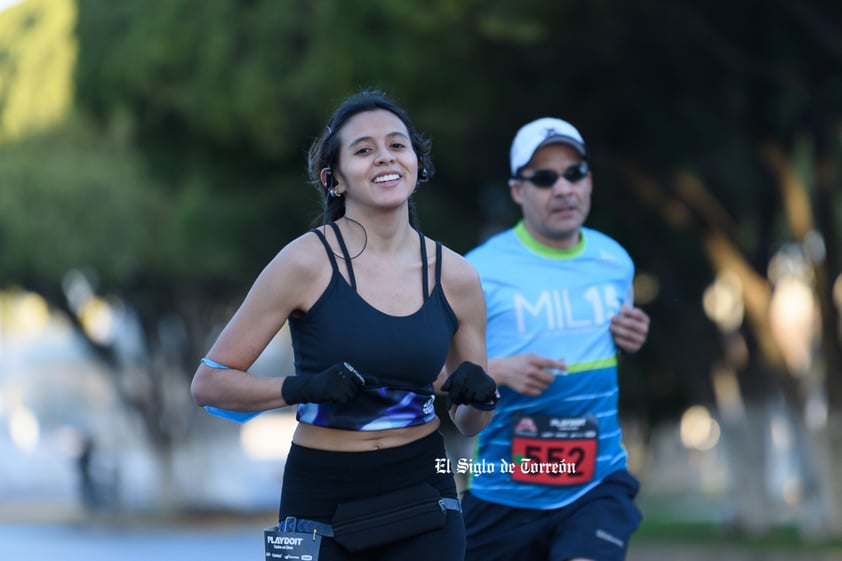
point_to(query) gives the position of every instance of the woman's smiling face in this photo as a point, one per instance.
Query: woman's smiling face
(377, 165)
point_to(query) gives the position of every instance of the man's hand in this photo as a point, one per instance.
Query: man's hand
(527, 374)
(630, 328)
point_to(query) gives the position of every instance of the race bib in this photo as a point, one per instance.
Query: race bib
(554, 450)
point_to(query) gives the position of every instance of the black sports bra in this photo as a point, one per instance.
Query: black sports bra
(403, 353)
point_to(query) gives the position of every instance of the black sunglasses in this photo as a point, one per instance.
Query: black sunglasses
(548, 177)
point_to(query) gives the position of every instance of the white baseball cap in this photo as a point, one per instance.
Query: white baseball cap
(541, 132)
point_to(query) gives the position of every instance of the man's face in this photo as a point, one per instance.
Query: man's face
(554, 214)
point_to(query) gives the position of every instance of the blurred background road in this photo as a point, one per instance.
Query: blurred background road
(243, 542)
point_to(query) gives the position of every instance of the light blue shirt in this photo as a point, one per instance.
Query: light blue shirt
(557, 304)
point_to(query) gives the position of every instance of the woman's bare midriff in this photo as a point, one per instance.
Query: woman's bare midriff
(338, 440)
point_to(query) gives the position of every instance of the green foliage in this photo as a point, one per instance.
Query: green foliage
(663, 529)
(204, 110)
(73, 198)
(212, 65)
(37, 54)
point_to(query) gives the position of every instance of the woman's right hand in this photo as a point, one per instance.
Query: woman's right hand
(340, 383)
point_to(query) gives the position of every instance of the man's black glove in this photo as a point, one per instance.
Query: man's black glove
(470, 385)
(339, 383)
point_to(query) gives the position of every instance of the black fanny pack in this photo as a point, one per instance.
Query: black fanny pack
(391, 517)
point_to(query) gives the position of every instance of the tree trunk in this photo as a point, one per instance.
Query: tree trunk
(822, 518)
(746, 441)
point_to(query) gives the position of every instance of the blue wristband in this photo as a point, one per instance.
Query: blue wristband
(227, 414)
(214, 364)
(235, 416)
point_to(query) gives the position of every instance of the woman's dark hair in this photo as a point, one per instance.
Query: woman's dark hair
(324, 152)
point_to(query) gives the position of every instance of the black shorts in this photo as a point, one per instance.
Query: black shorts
(598, 526)
(315, 481)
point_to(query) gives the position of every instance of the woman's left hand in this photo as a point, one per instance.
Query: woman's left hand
(469, 384)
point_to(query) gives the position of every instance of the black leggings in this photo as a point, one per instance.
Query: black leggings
(315, 481)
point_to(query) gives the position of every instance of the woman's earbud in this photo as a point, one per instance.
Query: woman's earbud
(328, 180)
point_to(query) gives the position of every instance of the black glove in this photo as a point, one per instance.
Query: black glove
(470, 385)
(339, 383)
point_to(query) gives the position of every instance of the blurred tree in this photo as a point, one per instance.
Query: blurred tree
(37, 53)
(723, 134)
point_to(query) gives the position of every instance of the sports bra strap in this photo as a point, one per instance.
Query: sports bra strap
(438, 263)
(345, 254)
(327, 249)
(425, 283)
(352, 280)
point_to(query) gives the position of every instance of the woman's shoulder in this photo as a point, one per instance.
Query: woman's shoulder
(305, 255)
(460, 283)
(296, 275)
(457, 274)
